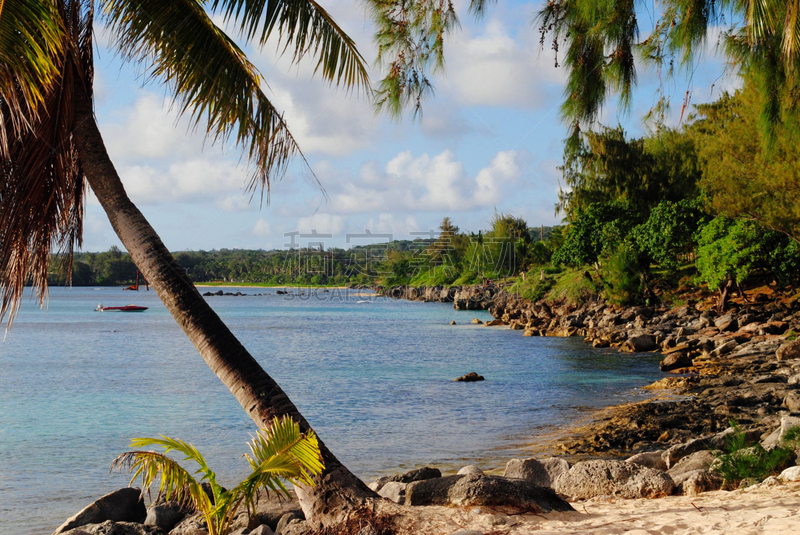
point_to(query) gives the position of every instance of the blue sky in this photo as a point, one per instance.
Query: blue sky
(490, 139)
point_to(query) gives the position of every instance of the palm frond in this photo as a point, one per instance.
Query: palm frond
(214, 83)
(31, 40)
(41, 178)
(306, 28)
(283, 446)
(175, 482)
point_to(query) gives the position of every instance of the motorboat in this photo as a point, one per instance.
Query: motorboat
(126, 308)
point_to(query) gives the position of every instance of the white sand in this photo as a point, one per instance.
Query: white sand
(767, 511)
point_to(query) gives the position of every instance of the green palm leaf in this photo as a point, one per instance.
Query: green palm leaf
(279, 453)
(304, 26)
(209, 74)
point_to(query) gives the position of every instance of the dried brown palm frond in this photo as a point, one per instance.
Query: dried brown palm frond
(41, 179)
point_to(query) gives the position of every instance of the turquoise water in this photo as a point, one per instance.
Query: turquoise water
(373, 376)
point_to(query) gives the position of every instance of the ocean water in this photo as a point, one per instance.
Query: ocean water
(373, 376)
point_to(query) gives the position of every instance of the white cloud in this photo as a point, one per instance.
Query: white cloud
(495, 69)
(262, 228)
(191, 180)
(322, 223)
(424, 183)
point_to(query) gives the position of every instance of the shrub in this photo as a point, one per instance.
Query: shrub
(744, 463)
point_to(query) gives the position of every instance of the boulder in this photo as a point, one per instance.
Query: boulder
(637, 344)
(792, 401)
(541, 473)
(470, 469)
(789, 351)
(674, 361)
(115, 528)
(699, 460)
(791, 474)
(395, 491)
(263, 529)
(271, 507)
(476, 321)
(165, 516)
(492, 323)
(123, 505)
(492, 491)
(774, 438)
(191, 525)
(650, 459)
(418, 474)
(701, 481)
(470, 377)
(627, 480)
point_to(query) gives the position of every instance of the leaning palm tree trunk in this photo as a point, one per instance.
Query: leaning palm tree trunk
(337, 490)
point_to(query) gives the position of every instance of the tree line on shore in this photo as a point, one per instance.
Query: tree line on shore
(707, 203)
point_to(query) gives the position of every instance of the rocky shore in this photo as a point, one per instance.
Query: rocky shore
(742, 366)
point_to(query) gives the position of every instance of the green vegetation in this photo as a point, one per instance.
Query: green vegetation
(278, 453)
(744, 463)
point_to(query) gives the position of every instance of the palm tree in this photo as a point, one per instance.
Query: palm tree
(50, 143)
(279, 453)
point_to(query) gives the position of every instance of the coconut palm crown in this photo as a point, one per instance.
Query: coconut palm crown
(51, 148)
(279, 453)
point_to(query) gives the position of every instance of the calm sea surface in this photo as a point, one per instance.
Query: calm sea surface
(373, 376)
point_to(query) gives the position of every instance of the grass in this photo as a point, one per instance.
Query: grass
(563, 286)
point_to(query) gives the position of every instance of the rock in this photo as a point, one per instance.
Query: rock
(470, 469)
(492, 491)
(123, 505)
(395, 491)
(271, 507)
(699, 460)
(637, 344)
(165, 516)
(378, 483)
(627, 480)
(476, 321)
(727, 347)
(492, 323)
(679, 451)
(789, 351)
(791, 474)
(453, 322)
(541, 473)
(726, 323)
(674, 361)
(115, 528)
(466, 532)
(263, 529)
(650, 459)
(774, 438)
(286, 520)
(792, 401)
(701, 481)
(418, 474)
(470, 377)
(191, 525)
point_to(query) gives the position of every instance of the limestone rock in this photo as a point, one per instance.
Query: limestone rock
(418, 474)
(492, 491)
(191, 525)
(165, 516)
(650, 459)
(492, 323)
(470, 469)
(701, 481)
(597, 478)
(286, 520)
(476, 321)
(674, 361)
(789, 351)
(541, 473)
(699, 460)
(791, 474)
(263, 529)
(395, 491)
(637, 344)
(123, 505)
(114, 528)
(470, 377)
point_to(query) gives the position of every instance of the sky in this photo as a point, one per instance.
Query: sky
(490, 140)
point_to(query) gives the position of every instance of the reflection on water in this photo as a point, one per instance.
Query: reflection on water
(375, 380)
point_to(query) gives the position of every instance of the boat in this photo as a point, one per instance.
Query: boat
(126, 308)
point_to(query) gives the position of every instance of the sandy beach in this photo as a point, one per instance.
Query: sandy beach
(758, 510)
